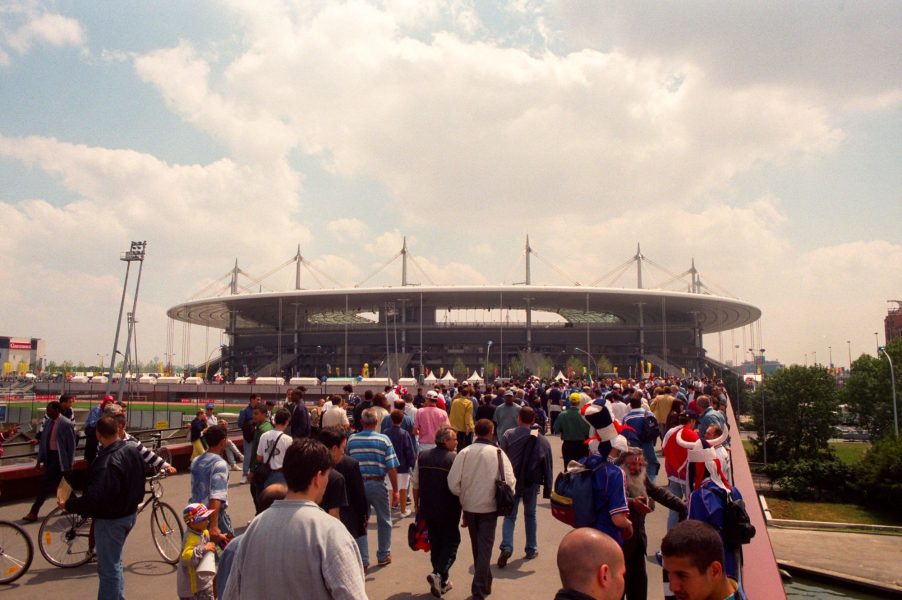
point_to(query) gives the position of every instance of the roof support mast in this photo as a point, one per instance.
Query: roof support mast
(528, 300)
(638, 258)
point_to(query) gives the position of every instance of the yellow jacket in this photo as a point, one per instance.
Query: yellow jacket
(461, 417)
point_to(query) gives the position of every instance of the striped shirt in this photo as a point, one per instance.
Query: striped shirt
(374, 451)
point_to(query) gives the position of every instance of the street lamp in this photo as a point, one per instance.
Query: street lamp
(877, 343)
(590, 358)
(849, 346)
(892, 376)
(830, 353)
(488, 346)
(763, 408)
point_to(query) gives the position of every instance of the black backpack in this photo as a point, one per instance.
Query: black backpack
(651, 431)
(737, 527)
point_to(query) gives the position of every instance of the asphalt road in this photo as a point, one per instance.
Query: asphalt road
(147, 576)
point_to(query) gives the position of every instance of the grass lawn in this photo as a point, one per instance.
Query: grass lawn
(830, 512)
(850, 453)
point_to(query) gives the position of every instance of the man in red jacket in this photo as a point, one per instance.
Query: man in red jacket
(675, 459)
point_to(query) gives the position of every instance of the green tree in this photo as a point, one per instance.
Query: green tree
(574, 364)
(868, 390)
(799, 405)
(515, 366)
(738, 392)
(545, 367)
(604, 366)
(459, 369)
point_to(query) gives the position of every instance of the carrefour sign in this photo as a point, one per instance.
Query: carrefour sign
(19, 344)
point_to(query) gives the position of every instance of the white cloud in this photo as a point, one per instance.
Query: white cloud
(348, 229)
(192, 216)
(22, 27)
(463, 127)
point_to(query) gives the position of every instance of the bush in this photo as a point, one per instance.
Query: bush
(824, 480)
(880, 475)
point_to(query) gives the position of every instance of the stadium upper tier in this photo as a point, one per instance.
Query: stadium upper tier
(361, 306)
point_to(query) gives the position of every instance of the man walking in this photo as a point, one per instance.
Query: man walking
(574, 431)
(261, 425)
(267, 565)
(210, 483)
(376, 455)
(530, 456)
(247, 427)
(461, 417)
(506, 414)
(56, 452)
(428, 421)
(433, 501)
(357, 511)
(472, 478)
(114, 490)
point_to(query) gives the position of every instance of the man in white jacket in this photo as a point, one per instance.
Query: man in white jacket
(472, 477)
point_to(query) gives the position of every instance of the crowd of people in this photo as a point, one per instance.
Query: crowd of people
(318, 473)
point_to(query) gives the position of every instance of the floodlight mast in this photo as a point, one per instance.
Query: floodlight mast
(892, 376)
(135, 253)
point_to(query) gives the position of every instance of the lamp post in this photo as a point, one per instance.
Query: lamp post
(877, 343)
(849, 346)
(830, 353)
(892, 376)
(488, 347)
(590, 358)
(814, 354)
(763, 408)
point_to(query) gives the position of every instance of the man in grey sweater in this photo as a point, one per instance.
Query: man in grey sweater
(267, 566)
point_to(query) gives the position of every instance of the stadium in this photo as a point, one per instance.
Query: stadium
(492, 330)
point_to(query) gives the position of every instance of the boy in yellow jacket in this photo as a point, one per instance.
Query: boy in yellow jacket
(196, 544)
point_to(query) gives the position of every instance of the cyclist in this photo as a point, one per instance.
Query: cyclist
(150, 458)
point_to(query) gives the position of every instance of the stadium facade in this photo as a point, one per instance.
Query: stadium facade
(405, 331)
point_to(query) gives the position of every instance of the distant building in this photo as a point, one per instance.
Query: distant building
(20, 355)
(892, 324)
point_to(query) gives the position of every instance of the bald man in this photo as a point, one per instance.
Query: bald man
(591, 566)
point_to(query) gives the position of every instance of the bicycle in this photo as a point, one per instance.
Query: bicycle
(16, 552)
(158, 448)
(67, 540)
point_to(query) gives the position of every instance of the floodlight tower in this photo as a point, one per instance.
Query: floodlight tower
(135, 253)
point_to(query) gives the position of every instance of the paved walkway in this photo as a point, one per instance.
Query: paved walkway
(148, 577)
(869, 557)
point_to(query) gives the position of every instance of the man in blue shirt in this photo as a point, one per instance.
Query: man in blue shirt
(247, 427)
(376, 455)
(635, 422)
(210, 483)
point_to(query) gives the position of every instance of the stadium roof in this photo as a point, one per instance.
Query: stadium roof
(575, 304)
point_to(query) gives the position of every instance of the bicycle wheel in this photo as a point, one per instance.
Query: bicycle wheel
(64, 539)
(167, 530)
(16, 552)
(164, 453)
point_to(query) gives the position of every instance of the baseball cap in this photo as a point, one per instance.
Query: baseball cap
(196, 512)
(210, 406)
(509, 393)
(432, 394)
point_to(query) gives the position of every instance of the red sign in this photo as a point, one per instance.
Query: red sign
(17, 345)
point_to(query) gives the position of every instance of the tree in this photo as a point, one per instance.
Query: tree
(545, 367)
(604, 365)
(515, 366)
(799, 406)
(868, 390)
(459, 369)
(575, 365)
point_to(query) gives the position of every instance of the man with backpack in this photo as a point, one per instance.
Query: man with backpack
(642, 431)
(247, 427)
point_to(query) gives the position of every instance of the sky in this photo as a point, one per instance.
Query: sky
(763, 140)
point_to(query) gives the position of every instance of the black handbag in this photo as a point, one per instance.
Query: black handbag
(263, 470)
(504, 495)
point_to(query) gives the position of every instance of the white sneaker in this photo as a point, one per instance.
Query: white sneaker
(242, 481)
(435, 584)
(236, 468)
(406, 513)
(447, 587)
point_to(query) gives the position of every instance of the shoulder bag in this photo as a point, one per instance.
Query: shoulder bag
(504, 496)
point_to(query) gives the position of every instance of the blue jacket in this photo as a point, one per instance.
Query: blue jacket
(65, 443)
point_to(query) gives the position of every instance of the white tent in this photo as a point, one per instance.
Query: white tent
(474, 378)
(448, 378)
(431, 378)
(560, 376)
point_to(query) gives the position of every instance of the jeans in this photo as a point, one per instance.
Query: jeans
(377, 496)
(49, 482)
(110, 537)
(444, 538)
(231, 453)
(648, 450)
(482, 538)
(678, 490)
(529, 495)
(225, 523)
(364, 550)
(248, 457)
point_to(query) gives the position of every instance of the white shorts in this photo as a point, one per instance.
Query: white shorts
(403, 481)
